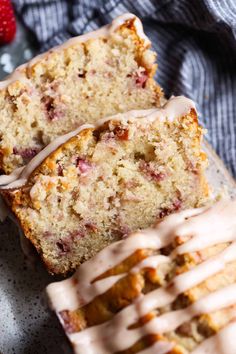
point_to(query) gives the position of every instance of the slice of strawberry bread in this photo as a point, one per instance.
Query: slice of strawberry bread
(109, 180)
(89, 77)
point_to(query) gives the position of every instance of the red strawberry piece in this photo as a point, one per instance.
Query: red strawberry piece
(108, 137)
(7, 22)
(125, 230)
(140, 77)
(91, 226)
(177, 204)
(83, 165)
(68, 323)
(63, 246)
(164, 212)
(122, 133)
(54, 111)
(76, 234)
(59, 169)
(150, 172)
(27, 153)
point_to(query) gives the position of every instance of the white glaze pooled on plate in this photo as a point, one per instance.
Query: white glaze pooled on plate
(174, 108)
(201, 228)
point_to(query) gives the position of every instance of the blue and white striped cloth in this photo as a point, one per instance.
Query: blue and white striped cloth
(195, 41)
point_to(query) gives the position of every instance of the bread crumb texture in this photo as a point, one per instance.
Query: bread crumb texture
(68, 86)
(107, 182)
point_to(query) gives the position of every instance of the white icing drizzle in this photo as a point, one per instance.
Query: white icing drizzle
(7, 179)
(116, 335)
(175, 108)
(150, 262)
(223, 342)
(105, 31)
(216, 223)
(159, 347)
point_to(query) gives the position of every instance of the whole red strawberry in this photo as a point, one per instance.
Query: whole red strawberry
(7, 22)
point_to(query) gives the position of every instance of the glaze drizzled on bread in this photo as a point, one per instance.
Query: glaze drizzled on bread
(187, 306)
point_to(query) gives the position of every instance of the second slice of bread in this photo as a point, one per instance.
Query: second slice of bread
(110, 180)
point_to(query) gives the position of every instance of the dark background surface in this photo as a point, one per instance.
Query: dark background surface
(19, 51)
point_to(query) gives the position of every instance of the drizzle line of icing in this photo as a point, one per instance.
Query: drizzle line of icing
(223, 342)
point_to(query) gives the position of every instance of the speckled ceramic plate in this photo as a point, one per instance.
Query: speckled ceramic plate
(26, 326)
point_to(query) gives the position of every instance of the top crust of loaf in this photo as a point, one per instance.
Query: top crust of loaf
(27, 70)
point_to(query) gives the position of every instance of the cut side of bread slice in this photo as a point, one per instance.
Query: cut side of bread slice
(87, 78)
(109, 180)
(170, 289)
